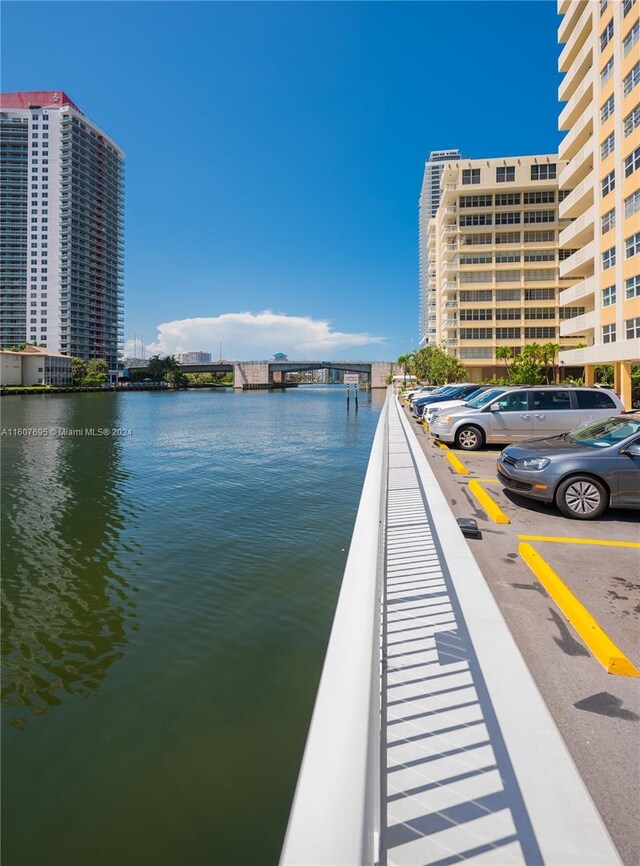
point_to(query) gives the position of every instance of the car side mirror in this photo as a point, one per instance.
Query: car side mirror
(632, 450)
(494, 407)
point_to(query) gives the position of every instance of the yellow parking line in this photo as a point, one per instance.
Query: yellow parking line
(492, 508)
(457, 464)
(488, 480)
(608, 654)
(580, 540)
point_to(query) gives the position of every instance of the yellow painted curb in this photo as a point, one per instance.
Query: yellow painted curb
(580, 540)
(492, 508)
(608, 654)
(457, 464)
(442, 445)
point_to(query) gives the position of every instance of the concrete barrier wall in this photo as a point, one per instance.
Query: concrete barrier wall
(250, 373)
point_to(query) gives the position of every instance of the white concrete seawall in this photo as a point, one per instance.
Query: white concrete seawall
(429, 742)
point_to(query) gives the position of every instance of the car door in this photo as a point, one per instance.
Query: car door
(552, 413)
(509, 418)
(629, 476)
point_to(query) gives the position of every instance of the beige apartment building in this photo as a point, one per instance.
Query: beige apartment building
(494, 261)
(600, 183)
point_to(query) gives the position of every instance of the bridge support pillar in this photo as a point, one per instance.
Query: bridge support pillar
(380, 371)
(250, 373)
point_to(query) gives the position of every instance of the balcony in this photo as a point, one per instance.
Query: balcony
(576, 71)
(579, 101)
(580, 231)
(578, 292)
(450, 323)
(578, 166)
(579, 199)
(578, 325)
(577, 37)
(571, 13)
(580, 263)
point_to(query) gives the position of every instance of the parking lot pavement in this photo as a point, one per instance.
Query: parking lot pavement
(598, 561)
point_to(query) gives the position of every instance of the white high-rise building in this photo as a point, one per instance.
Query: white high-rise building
(195, 358)
(429, 201)
(61, 228)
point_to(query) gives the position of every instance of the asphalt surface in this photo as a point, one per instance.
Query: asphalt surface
(597, 713)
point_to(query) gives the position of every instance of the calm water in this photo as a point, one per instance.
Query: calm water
(167, 600)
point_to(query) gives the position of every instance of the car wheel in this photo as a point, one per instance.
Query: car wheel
(582, 497)
(469, 438)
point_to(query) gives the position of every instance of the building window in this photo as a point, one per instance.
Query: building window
(540, 256)
(632, 203)
(631, 79)
(608, 146)
(605, 36)
(475, 201)
(632, 245)
(508, 218)
(475, 219)
(505, 258)
(543, 237)
(546, 171)
(608, 183)
(633, 328)
(508, 276)
(608, 258)
(631, 38)
(475, 295)
(509, 314)
(546, 196)
(475, 276)
(608, 333)
(632, 162)
(475, 240)
(608, 296)
(608, 220)
(632, 287)
(539, 333)
(476, 260)
(627, 6)
(607, 109)
(603, 6)
(508, 295)
(476, 333)
(505, 174)
(470, 175)
(504, 199)
(566, 253)
(540, 313)
(507, 333)
(607, 72)
(571, 312)
(507, 237)
(539, 216)
(475, 315)
(539, 294)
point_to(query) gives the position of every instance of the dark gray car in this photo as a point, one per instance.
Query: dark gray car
(593, 466)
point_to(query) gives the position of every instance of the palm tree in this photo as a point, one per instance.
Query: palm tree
(156, 367)
(503, 353)
(405, 362)
(548, 355)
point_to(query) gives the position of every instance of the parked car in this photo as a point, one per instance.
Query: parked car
(582, 471)
(453, 391)
(523, 413)
(443, 405)
(422, 391)
(436, 389)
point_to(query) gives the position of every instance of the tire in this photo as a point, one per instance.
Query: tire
(582, 497)
(469, 438)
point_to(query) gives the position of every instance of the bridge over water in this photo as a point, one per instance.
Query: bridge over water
(262, 374)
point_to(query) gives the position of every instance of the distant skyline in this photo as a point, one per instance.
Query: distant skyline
(275, 151)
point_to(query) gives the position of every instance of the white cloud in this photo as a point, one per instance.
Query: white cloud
(247, 336)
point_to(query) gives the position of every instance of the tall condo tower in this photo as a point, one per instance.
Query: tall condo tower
(600, 182)
(428, 205)
(61, 228)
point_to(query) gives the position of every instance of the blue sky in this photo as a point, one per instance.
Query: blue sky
(275, 150)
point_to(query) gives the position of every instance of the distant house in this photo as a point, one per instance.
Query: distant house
(34, 365)
(280, 356)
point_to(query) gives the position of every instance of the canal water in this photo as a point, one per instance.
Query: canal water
(168, 592)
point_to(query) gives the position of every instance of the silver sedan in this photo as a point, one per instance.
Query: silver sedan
(594, 466)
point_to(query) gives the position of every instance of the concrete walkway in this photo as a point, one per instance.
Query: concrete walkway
(473, 768)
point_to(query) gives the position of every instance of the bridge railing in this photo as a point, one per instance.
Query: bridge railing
(335, 815)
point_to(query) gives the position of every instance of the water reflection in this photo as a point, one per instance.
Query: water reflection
(66, 607)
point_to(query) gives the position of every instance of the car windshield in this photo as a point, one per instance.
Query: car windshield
(483, 398)
(601, 434)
